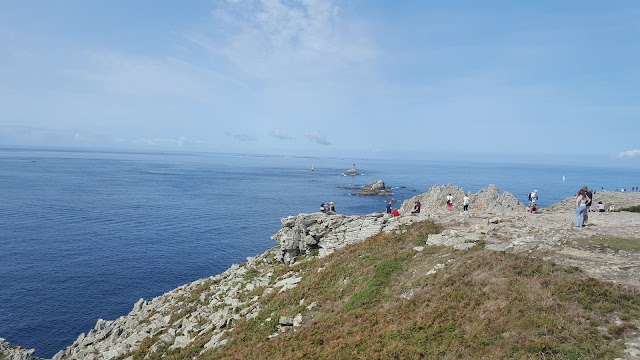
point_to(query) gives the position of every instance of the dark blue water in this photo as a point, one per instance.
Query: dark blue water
(84, 235)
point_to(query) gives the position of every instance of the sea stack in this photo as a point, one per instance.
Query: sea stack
(353, 170)
(375, 188)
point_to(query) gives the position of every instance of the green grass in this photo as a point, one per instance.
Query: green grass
(631, 208)
(376, 301)
(613, 243)
(482, 305)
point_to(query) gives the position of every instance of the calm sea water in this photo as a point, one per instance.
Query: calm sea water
(84, 235)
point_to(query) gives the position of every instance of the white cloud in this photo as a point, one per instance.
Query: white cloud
(279, 134)
(242, 137)
(317, 138)
(275, 39)
(180, 141)
(629, 154)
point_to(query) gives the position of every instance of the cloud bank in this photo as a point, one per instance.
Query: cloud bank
(279, 134)
(629, 154)
(317, 138)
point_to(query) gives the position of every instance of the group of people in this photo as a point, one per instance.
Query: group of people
(466, 200)
(328, 207)
(396, 212)
(584, 201)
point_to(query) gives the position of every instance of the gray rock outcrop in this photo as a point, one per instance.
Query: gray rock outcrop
(486, 200)
(305, 233)
(12, 352)
(325, 233)
(375, 188)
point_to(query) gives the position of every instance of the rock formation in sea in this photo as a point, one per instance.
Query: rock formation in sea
(352, 171)
(375, 188)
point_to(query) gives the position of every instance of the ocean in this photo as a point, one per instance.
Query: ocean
(85, 234)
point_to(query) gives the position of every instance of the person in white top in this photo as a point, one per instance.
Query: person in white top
(465, 202)
(581, 207)
(449, 203)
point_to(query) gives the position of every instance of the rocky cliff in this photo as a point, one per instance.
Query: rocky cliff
(12, 352)
(200, 316)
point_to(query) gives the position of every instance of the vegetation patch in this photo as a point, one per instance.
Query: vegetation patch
(612, 243)
(632, 209)
(481, 305)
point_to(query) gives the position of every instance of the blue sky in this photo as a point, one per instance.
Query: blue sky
(362, 78)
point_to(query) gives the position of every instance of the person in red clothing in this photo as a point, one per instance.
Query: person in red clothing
(395, 212)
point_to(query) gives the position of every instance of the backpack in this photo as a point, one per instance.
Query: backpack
(530, 198)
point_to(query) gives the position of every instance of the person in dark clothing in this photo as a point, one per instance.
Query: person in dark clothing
(388, 210)
(589, 199)
(416, 208)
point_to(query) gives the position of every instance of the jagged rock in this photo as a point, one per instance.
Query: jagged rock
(488, 200)
(375, 188)
(12, 352)
(180, 342)
(305, 232)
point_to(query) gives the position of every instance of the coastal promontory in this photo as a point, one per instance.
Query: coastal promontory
(491, 282)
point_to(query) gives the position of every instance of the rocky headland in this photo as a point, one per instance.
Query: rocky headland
(200, 316)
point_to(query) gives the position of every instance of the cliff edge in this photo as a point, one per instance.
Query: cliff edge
(200, 318)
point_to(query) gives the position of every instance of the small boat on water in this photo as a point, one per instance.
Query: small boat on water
(311, 167)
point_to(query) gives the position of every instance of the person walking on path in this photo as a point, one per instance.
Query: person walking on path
(465, 202)
(449, 202)
(581, 208)
(589, 196)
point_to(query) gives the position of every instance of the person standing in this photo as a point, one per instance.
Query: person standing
(581, 208)
(449, 202)
(388, 210)
(533, 197)
(589, 196)
(465, 202)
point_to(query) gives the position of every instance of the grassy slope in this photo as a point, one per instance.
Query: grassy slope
(375, 301)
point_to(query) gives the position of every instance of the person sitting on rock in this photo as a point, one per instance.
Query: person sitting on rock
(416, 208)
(600, 206)
(395, 213)
(328, 208)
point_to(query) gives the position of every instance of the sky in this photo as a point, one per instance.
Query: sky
(429, 79)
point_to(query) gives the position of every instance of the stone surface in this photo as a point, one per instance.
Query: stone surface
(13, 352)
(375, 188)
